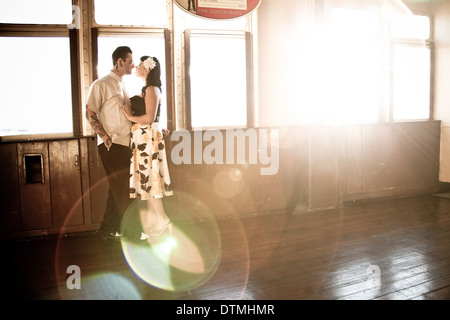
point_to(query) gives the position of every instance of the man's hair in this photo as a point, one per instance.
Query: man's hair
(120, 52)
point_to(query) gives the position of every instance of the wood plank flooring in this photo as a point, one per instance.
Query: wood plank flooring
(390, 250)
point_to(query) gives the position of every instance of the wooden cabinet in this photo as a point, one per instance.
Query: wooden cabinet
(59, 186)
(389, 159)
(34, 185)
(65, 181)
(324, 179)
(46, 187)
(95, 183)
(9, 189)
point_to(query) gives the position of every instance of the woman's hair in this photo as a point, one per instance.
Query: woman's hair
(154, 76)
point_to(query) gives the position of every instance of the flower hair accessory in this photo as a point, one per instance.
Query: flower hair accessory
(149, 63)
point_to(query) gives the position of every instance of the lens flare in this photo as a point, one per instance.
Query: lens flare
(228, 183)
(185, 259)
(181, 260)
(108, 286)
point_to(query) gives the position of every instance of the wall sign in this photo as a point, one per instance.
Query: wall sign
(218, 9)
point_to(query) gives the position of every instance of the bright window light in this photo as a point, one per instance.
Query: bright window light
(36, 12)
(141, 46)
(341, 78)
(35, 86)
(131, 12)
(354, 84)
(411, 97)
(410, 26)
(218, 81)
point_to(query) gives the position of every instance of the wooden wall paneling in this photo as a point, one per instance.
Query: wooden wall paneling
(420, 149)
(170, 203)
(401, 157)
(9, 189)
(189, 181)
(427, 164)
(370, 158)
(85, 181)
(324, 185)
(343, 167)
(352, 159)
(286, 190)
(431, 156)
(394, 159)
(192, 193)
(98, 182)
(230, 191)
(221, 181)
(247, 196)
(385, 161)
(301, 152)
(35, 198)
(65, 178)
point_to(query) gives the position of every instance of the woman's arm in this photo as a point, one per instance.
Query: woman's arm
(152, 95)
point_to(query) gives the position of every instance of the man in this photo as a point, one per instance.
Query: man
(193, 5)
(103, 111)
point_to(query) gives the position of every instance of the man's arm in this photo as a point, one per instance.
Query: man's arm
(98, 127)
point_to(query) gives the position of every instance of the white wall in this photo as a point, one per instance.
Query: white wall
(441, 10)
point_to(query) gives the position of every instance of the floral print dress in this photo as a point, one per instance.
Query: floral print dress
(149, 171)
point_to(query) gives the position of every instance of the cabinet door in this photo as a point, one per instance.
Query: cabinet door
(65, 178)
(413, 156)
(34, 185)
(9, 189)
(98, 183)
(324, 185)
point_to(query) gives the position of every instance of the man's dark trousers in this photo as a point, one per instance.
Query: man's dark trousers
(116, 163)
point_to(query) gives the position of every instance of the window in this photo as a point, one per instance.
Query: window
(141, 46)
(66, 40)
(218, 81)
(131, 12)
(354, 84)
(36, 86)
(140, 24)
(411, 71)
(218, 73)
(409, 26)
(36, 94)
(411, 82)
(36, 12)
(363, 66)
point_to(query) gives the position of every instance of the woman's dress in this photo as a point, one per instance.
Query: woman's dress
(149, 171)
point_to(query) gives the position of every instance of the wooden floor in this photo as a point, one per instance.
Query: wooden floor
(391, 249)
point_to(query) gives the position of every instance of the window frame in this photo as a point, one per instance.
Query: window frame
(400, 42)
(97, 30)
(83, 35)
(139, 32)
(52, 31)
(250, 107)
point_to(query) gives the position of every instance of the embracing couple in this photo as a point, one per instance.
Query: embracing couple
(131, 146)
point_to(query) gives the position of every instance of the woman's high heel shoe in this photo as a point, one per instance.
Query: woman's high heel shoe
(157, 233)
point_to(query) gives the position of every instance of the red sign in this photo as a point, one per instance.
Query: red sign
(225, 9)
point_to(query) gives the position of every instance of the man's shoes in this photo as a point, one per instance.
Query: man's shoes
(110, 236)
(139, 239)
(118, 237)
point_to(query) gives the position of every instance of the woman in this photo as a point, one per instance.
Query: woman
(149, 174)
